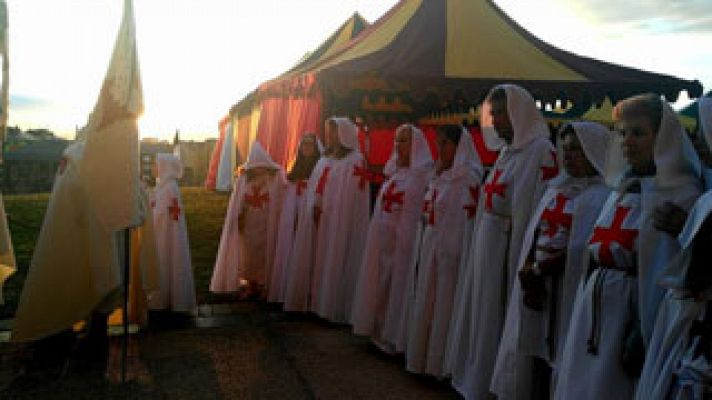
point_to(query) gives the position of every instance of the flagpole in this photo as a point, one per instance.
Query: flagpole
(125, 319)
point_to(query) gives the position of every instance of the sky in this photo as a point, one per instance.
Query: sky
(199, 57)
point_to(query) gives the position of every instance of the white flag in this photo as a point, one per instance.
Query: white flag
(110, 169)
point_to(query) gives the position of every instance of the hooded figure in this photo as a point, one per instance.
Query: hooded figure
(557, 234)
(176, 288)
(340, 214)
(294, 205)
(675, 364)
(380, 298)
(448, 218)
(249, 236)
(510, 195)
(75, 266)
(607, 334)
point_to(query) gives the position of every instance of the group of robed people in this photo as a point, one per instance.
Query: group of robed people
(574, 270)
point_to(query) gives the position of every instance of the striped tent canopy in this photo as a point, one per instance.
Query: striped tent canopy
(424, 56)
(333, 44)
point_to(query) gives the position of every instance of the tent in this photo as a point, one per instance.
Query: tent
(245, 114)
(441, 56)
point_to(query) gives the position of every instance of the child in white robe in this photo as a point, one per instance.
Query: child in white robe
(176, 290)
(247, 245)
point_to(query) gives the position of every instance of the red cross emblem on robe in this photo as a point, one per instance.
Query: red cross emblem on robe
(174, 209)
(256, 199)
(550, 172)
(301, 185)
(472, 208)
(615, 233)
(363, 174)
(494, 187)
(321, 185)
(429, 208)
(391, 197)
(556, 217)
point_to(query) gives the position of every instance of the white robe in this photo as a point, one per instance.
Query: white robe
(583, 374)
(491, 265)
(669, 341)
(340, 237)
(527, 332)
(248, 255)
(389, 255)
(300, 268)
(176, 290)
(293, 206)
(449, 215)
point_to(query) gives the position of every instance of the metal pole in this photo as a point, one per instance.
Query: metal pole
(125, 319)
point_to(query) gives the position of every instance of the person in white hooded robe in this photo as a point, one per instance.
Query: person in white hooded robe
(380, 298)
(176, 290)
(553, 259)
(678, 363)
(630, 245)
(300, 268)
(509, 197)
(449, 214)
(247, 245)
(295, 200)
(341, 216)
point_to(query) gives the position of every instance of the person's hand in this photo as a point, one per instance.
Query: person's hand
(669, 217)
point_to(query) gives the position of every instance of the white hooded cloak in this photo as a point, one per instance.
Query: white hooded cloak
(510, 195)
(248, 255)
(176, 289)
(670, 338)
(449, 215)
(612, 299)
(343, 202)
(532, 333)
(380, 298)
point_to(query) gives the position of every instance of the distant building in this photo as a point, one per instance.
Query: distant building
(30, 161)
(194, 155)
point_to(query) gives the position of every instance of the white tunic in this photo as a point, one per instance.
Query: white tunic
(449, 214)
(604, 307)
(340, 236)
(509, 197)
(176, 290)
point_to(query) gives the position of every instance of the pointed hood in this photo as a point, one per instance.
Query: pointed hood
(594, 139)
(420, 156)
(347, 132)
(168, 167)
(258, 158)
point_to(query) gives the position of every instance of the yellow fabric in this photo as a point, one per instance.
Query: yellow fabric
(7, 255)
(380, 37)
(480, 44)
(602, 114)
(256, 111)
(143, 278)
(111, 156)
(343, 37)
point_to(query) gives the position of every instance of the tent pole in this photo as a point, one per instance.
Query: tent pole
(125, 309)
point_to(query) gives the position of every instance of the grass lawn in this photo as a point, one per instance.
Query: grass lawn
(205, 212)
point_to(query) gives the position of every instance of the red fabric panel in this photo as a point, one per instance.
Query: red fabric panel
(215, 157)
(283, 121)
(487, 156)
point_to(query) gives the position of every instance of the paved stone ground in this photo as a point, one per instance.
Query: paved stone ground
(243, 351)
